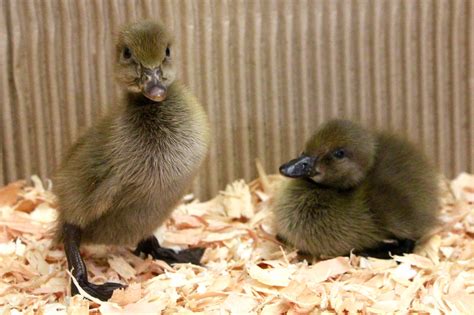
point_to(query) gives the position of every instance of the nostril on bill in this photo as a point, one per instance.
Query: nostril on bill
(302, 167)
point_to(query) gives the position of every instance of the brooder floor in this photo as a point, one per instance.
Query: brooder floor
(245, 270)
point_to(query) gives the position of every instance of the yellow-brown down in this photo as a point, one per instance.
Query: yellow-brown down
(122, 178)
(363, 187)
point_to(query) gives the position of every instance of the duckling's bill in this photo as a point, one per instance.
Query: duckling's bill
(300, 167)
(152, 86)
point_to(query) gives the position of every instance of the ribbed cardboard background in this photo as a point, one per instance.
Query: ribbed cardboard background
(268, 72)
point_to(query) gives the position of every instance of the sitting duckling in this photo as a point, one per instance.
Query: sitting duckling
(121, 179)
(373, 193)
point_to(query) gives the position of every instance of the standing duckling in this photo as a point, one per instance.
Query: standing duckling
(123, 177)
(353, 189)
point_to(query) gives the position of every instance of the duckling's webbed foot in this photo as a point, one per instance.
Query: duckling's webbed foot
(101, 291)
(151, 246)
(72, 240)
(386, 250)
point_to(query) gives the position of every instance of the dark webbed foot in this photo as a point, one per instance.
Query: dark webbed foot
(151, 246)
(101, 291)
(405, 246)
(386, 250)
(72, 240)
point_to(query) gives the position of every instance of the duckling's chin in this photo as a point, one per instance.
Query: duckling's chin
(318, 178)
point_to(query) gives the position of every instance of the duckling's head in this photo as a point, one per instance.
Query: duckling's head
(144, 59)
(338, 155)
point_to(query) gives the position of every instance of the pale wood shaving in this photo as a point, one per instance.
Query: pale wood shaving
(245, 270)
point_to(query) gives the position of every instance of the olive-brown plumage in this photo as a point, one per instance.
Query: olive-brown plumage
(354, 189)
(123, 177)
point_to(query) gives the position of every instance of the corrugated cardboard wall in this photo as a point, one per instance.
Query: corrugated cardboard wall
(268, 72)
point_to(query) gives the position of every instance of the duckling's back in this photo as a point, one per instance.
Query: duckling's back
(403, 188)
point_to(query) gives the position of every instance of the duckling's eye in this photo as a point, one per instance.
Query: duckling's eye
(126, 53)
(168, 52)
(339, 154)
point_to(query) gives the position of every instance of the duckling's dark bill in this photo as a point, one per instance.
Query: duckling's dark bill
(152, 86)
(299, 167)
(154, 90)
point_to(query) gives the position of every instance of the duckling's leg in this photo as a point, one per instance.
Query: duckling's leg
(72, 240)
(151, 246)
(385, 250)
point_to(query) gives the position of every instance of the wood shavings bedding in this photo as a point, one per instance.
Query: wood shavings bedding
(245, 270)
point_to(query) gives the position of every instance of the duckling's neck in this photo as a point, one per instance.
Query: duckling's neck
(311, 184)
(175, 115)
(134, 99)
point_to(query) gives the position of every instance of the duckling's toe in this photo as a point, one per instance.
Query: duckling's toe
(151, 246)
(101, 291)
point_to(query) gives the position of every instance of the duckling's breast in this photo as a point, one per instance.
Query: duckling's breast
(155, 152)
(159, 145)
(317, 222)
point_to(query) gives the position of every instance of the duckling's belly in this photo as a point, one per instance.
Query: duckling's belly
(134, 215)
(153, 182)
(151, 187)
(324, 231)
